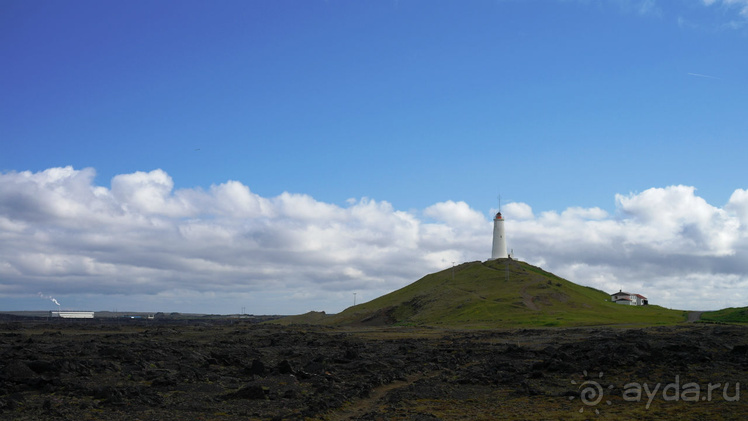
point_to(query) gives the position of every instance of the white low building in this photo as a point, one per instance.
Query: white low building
(621, 297)
(73, 314)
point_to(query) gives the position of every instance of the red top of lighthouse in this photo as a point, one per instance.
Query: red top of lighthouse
(498, 215)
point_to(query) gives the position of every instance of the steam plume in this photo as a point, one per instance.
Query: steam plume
(49, 297)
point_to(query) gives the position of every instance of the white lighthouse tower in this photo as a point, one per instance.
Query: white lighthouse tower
(499, 241)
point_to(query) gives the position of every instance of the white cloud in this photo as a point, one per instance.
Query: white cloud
(738, 205)
(61, 234)
(518, 211)
(675, 219)
(148, 193)
(455, 214)
(742, 5)
(663, 242)
(585, 213)
(649, 7)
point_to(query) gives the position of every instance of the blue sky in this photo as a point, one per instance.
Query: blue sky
(402, 106)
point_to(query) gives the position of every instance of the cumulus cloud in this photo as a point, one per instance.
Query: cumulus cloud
(60, 232)
(456, 214)
(518, 211)
(664, 242)
(140, 238)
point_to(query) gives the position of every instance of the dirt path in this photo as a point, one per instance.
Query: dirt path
(358, 408)
(694, 316)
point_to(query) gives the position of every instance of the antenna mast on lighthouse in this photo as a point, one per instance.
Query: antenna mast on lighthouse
(499, 241)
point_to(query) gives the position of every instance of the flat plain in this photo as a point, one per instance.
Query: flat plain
(238, 370)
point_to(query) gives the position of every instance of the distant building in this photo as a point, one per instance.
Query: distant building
(621, 297)
(73, 314)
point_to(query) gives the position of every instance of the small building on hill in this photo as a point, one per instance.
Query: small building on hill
(621, 297)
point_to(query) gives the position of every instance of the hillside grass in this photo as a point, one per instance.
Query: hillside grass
(726, 315)
(499, 293)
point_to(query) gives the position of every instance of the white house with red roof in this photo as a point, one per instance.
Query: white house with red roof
(621, 297)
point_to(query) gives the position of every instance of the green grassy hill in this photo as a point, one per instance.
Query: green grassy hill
(727, 315)
(497, 293)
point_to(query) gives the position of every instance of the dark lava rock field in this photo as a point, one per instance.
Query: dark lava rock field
(236, 370)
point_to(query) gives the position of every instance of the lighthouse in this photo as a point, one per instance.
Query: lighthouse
(499, 241)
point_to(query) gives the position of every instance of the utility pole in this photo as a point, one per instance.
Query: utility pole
(354, 298)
